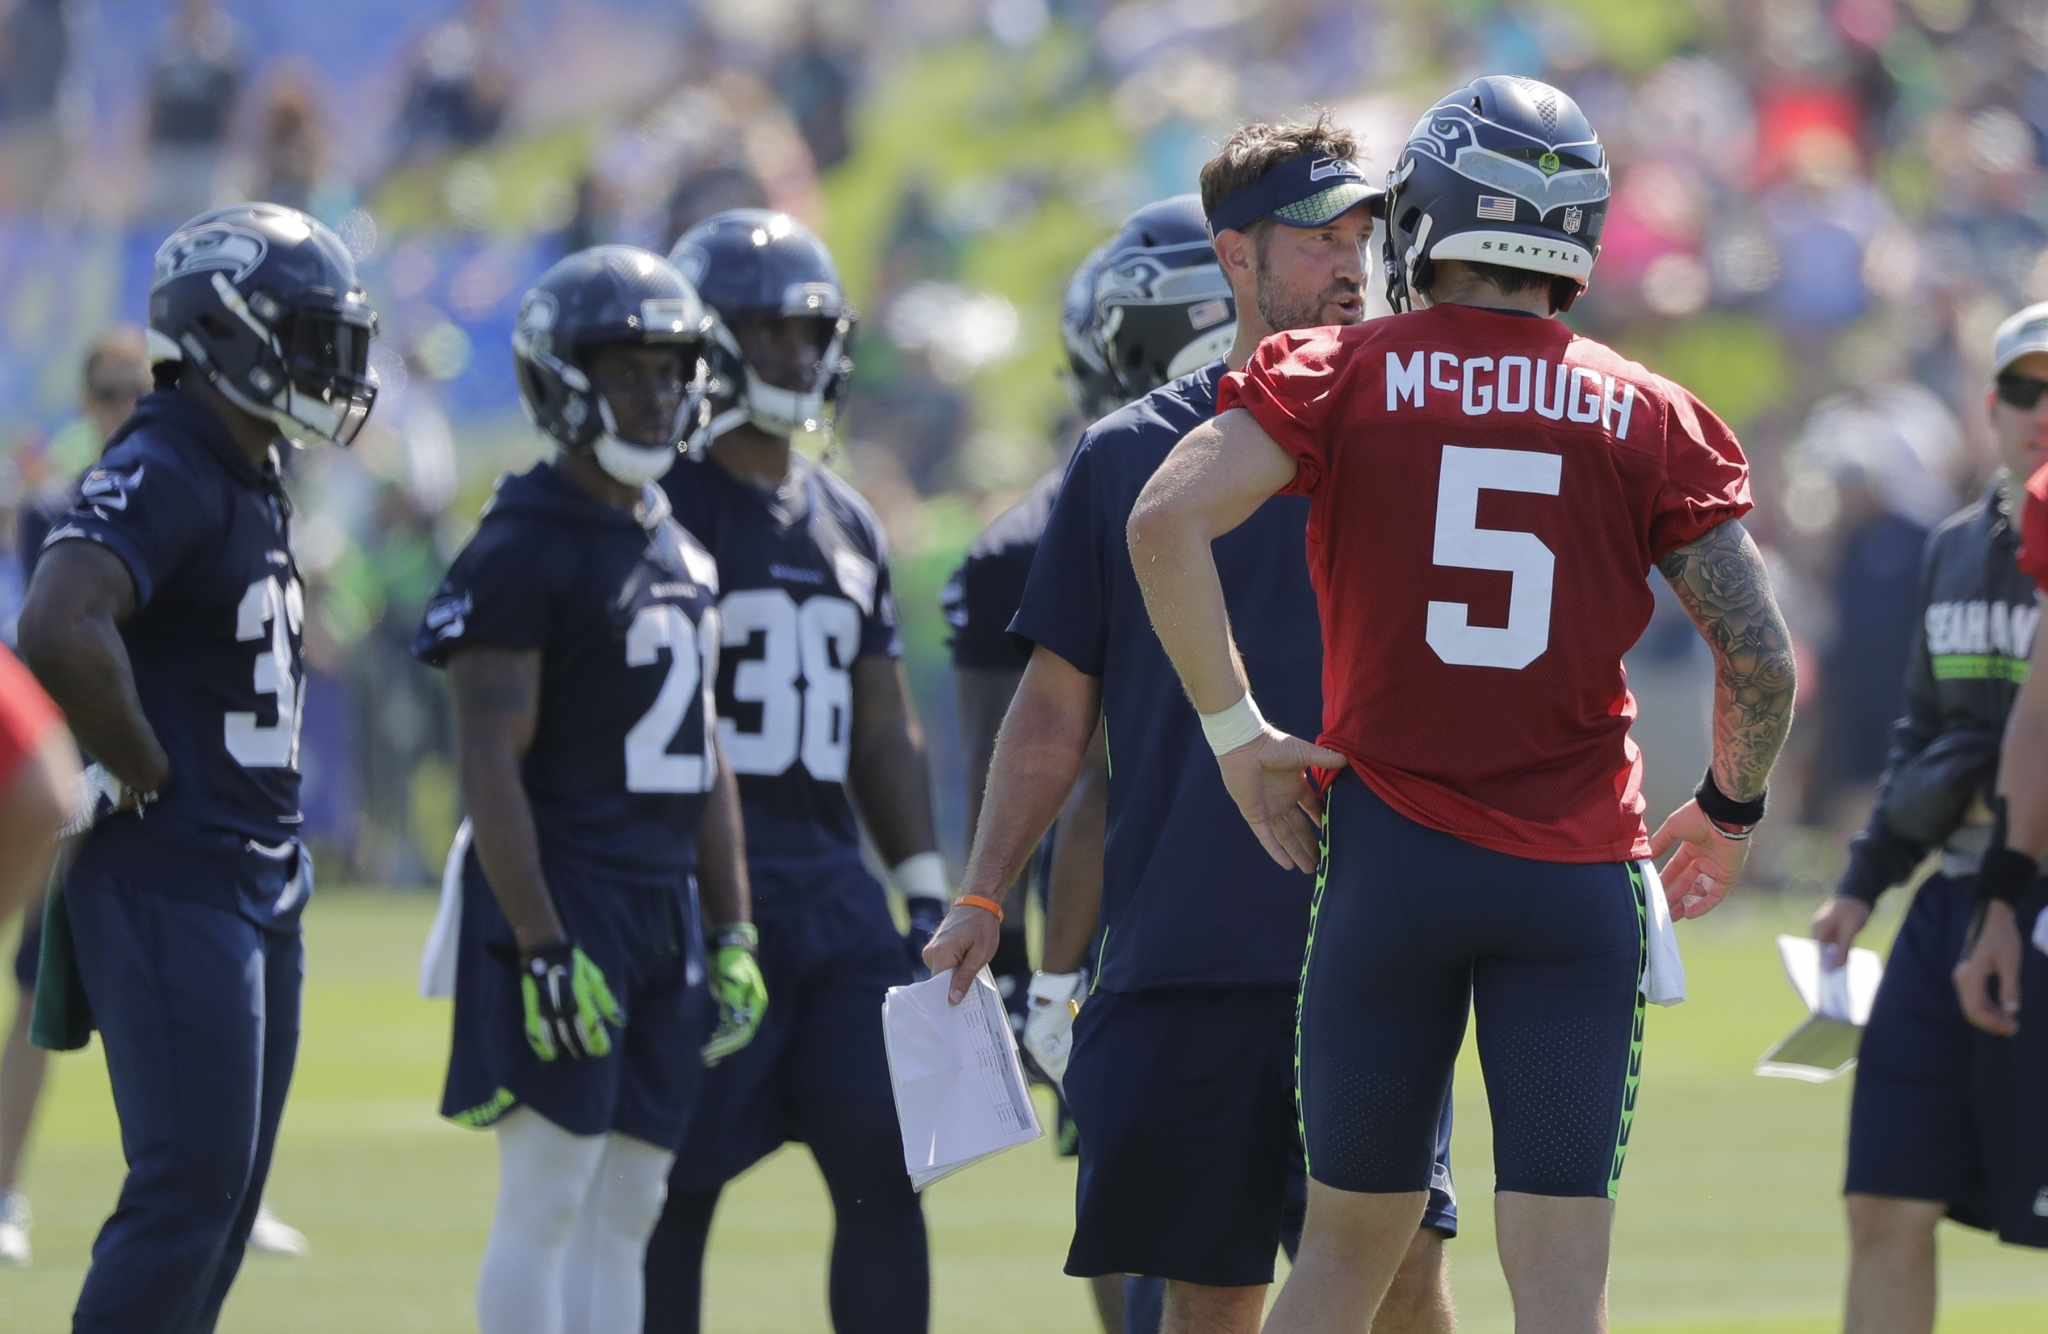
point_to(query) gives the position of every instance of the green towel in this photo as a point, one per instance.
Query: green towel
(62, 1020)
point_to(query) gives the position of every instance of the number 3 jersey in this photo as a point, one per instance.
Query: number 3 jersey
(622, 612)
(1488, 495)
(805, 578)
(214, 640)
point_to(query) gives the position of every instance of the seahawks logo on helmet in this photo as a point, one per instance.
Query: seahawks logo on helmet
(531, 331)
(693, 260)
(219, 246)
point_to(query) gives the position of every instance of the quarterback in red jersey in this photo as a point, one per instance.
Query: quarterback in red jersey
(1489, 493)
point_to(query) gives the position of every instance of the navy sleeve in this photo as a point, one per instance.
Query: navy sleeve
(142, 504)
(980, 601)
(864, 577)
(498, 593)
(1066, 597)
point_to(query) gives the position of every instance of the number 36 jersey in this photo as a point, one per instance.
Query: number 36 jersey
(1489, 493)
(622, 612)
(214, 640)
(805, 578)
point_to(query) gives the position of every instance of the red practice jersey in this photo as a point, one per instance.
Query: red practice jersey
(1490, 493)
(26, 713)
(2033, 558)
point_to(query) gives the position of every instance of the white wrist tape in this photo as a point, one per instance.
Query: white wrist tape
(1239, 725)
(922, 877)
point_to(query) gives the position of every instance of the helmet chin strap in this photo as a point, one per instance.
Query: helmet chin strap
(782, 413)
(632, 465)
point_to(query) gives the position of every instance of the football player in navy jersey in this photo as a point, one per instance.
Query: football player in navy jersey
(580, 636)
(1181, 1076)
(815, 717)
(165, 617)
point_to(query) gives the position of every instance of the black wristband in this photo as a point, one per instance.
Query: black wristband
(1721, 808)
(2005, 875)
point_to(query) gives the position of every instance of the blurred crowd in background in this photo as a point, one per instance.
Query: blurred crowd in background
(1822, 208)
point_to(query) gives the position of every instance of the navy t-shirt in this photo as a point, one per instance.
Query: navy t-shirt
(804, 577)
(623, 614)
(215, 637)
(983, 594)
(1189, 898)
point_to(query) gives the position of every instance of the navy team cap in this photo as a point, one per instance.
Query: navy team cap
(1301, 192)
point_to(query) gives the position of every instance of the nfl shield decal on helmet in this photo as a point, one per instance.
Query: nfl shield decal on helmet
(1572, 217)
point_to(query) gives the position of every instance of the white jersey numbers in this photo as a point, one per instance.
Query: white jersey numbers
(801, 682)
(273, 608)
(692, 667)
(1463, 544)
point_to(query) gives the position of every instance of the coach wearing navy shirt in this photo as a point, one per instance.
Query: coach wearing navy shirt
(165, 619)
(1182, 1074)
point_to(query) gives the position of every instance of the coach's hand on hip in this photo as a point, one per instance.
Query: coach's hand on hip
(963, 945)
(1706, 865)
(1266, 778)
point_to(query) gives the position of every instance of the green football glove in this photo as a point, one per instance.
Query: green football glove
(568, 1003)
(739, 989)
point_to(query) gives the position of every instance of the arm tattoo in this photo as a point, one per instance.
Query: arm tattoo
(1720, 578)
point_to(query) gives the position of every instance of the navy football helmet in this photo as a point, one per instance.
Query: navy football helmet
(607, 294)
(1089, 383)
(264, 302)
(1162, 304)
(753, 264)
(1503, 171)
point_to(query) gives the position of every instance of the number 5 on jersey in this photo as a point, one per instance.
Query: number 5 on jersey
(1462, 544)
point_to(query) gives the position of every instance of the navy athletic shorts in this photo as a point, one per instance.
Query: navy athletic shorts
(1413, 930)
(1941, 1110)
(1184, 1098)
(647, 939)
(827, 959)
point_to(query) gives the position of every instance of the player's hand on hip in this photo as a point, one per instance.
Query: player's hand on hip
(568, 1003)
(1706, 865)
(1992, 964)
(1267, 779)
(1836, 924)
(963, 945)
(739, 990)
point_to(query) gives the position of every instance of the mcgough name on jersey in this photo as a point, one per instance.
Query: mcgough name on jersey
(1517, 384)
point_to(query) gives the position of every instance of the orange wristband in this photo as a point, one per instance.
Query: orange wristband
(986, 905)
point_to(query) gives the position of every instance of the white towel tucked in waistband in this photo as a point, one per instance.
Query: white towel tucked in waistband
(437, 963)
(1664, 977)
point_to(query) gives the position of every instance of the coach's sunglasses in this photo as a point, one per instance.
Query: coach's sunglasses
(2021, 391)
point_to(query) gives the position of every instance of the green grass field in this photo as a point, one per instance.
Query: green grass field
(1729, 1218)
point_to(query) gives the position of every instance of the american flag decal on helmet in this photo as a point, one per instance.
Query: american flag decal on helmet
(1497, 208)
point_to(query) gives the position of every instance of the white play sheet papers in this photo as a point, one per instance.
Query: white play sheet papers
(1838, 1005)
(960, 1091)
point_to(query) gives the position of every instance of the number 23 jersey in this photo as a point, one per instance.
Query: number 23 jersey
(214, 640)
(804, 575)
(622, 612)
(1489, 493)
